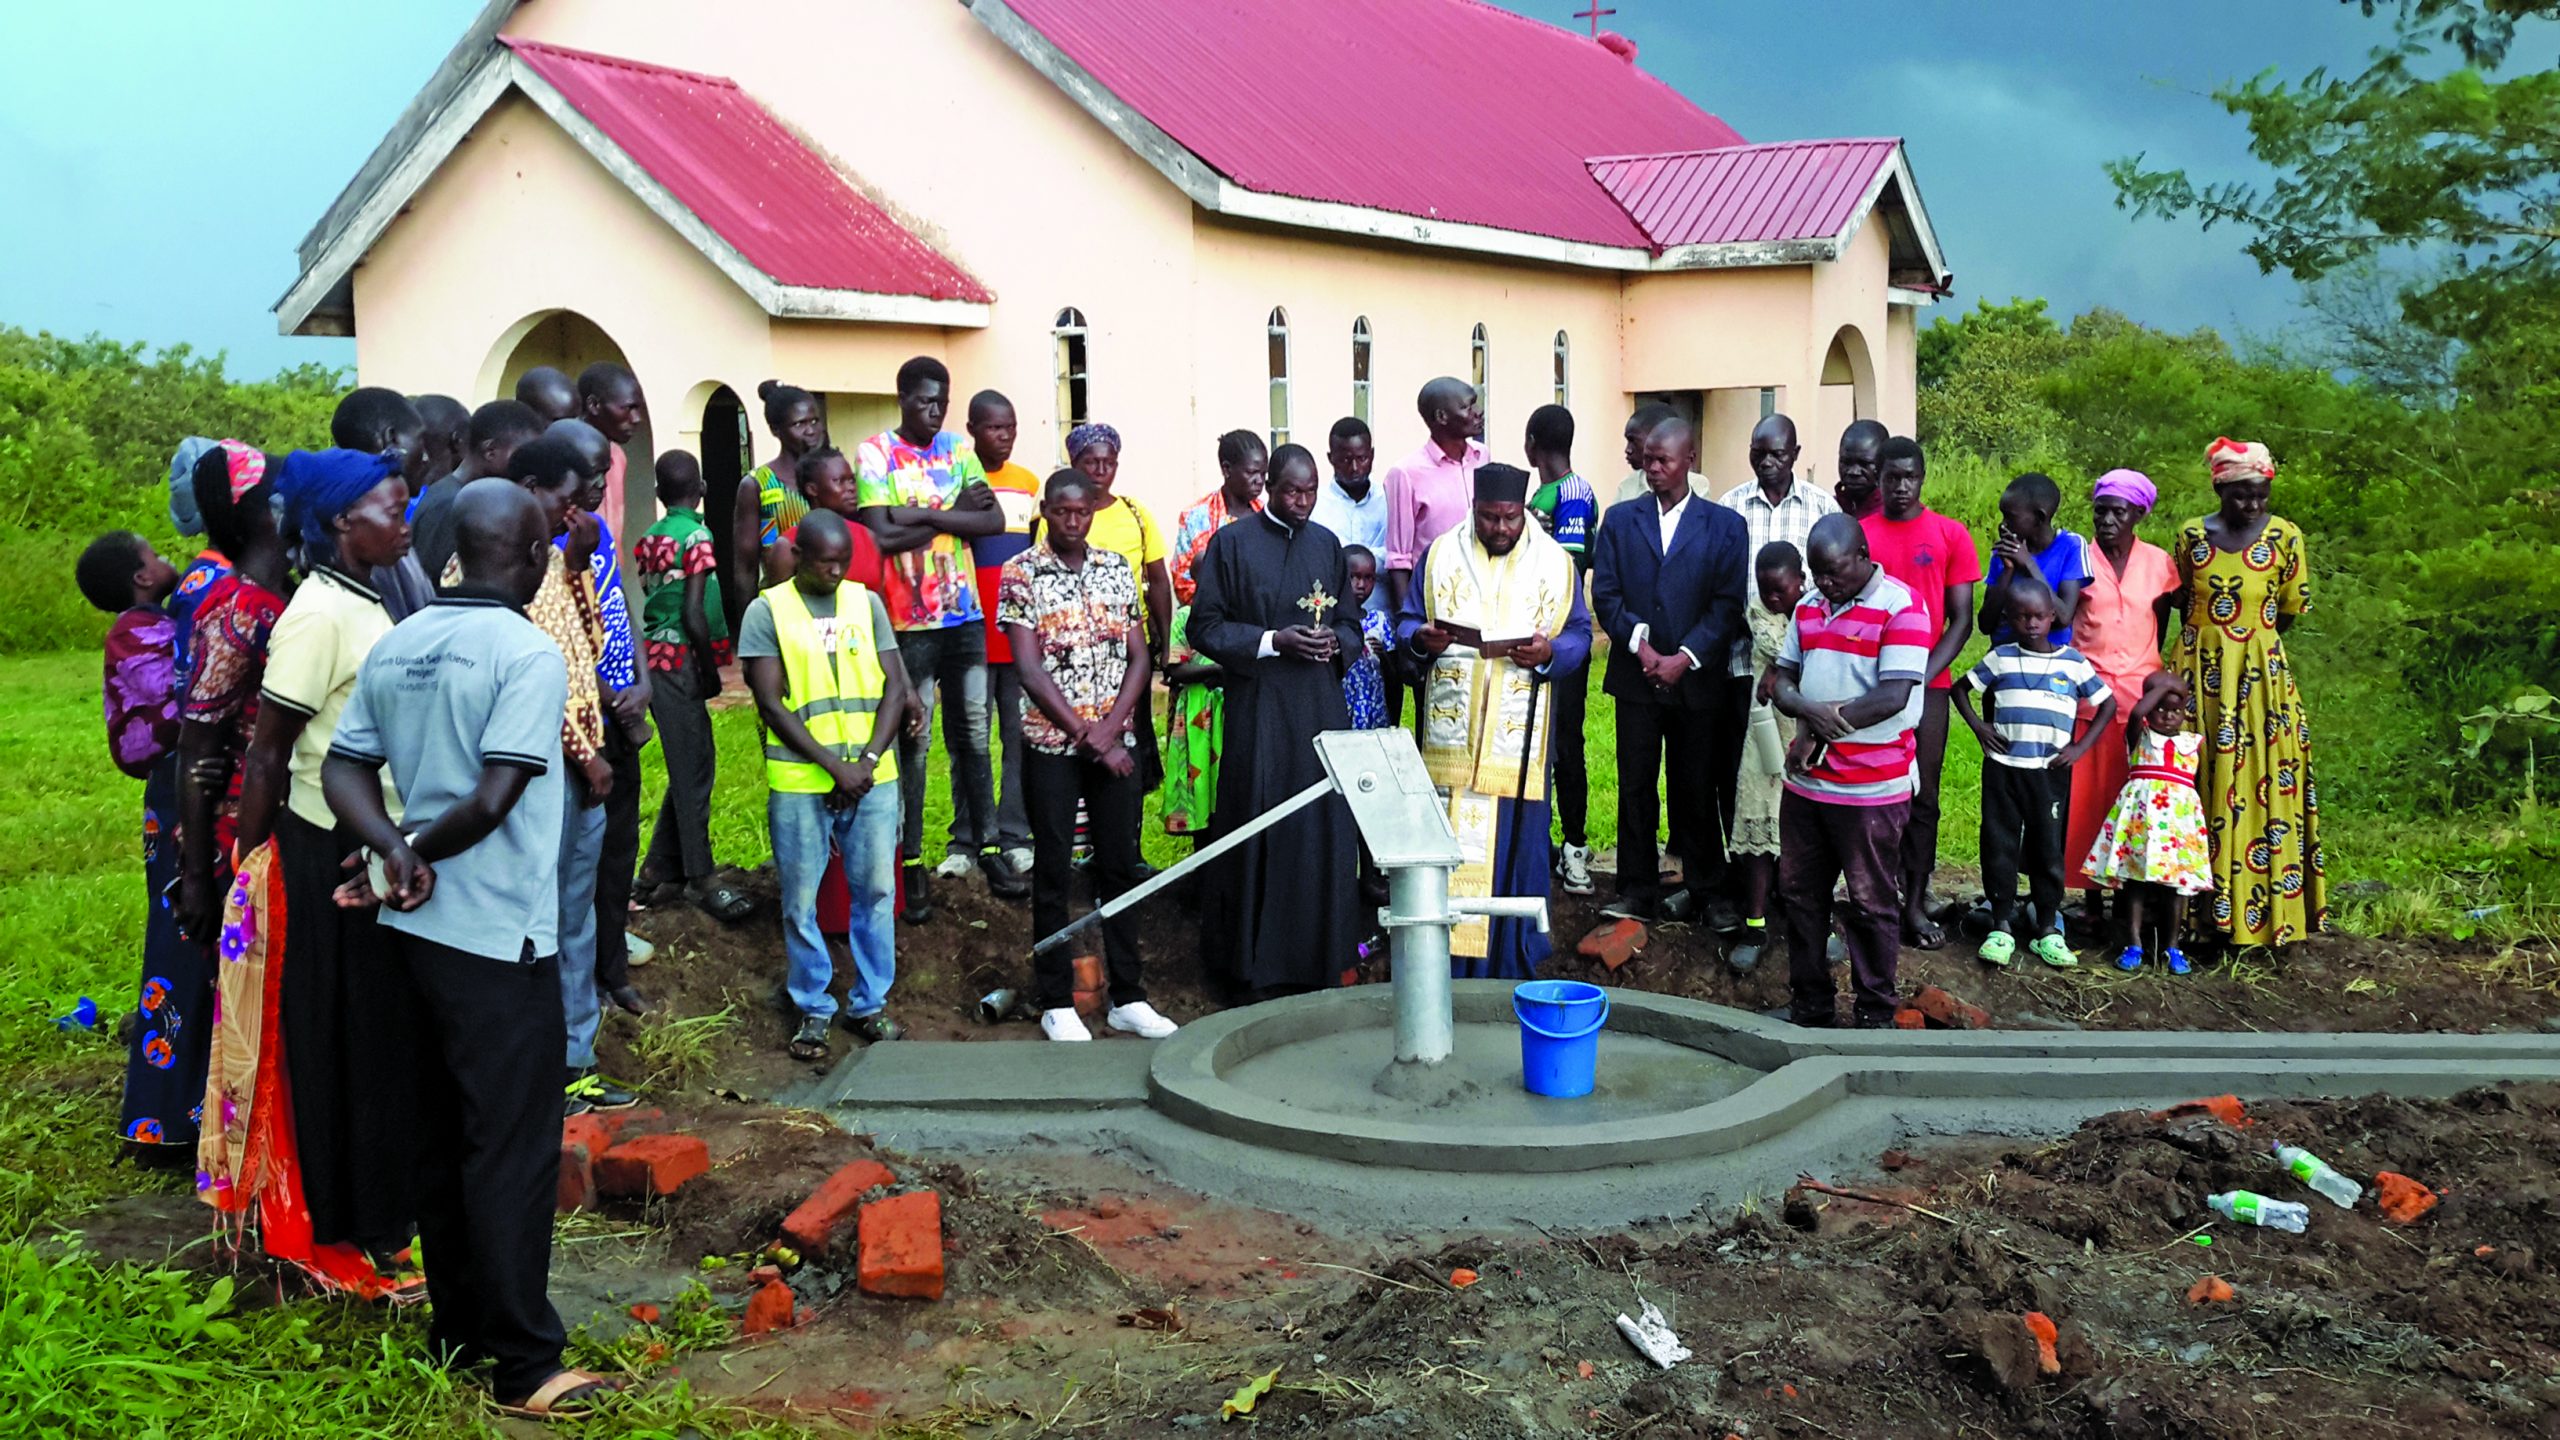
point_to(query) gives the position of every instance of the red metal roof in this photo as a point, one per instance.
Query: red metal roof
(1795, 190)
(1448, 109)
(725, 158)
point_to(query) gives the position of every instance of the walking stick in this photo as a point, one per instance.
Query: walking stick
(1520, 792)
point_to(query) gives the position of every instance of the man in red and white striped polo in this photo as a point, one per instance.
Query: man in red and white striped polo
(1851, 669)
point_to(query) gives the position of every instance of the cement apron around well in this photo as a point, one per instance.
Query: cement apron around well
(1827, 1102)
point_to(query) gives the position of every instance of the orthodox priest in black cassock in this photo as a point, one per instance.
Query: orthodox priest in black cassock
(1273, 608)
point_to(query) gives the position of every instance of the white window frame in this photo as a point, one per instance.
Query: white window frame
(1564, 369)
(1480, 348)
(1364, 368)
(1276, 336)
(1072, 342)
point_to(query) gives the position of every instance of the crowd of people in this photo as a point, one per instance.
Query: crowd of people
(391, 724)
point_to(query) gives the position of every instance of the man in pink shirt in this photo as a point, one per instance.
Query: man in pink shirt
(1433, 491)
(1934, 558)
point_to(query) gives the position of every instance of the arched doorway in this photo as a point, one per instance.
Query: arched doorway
(570, 342)
(728, 453)
(1848, 390)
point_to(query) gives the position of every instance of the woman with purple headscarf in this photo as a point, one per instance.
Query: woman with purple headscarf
(2122, 619)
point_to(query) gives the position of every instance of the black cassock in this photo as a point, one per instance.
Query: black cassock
(1282, 912)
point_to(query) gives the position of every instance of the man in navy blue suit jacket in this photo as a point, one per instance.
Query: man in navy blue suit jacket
(1668, 575)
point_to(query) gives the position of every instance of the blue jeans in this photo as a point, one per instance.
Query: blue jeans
(581, 854)
(866, 839)
(955, 658)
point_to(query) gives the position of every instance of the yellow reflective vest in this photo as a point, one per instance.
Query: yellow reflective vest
(835, 692)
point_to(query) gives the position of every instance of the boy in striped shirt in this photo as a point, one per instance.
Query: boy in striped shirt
(2032, 693)
(1850, 670)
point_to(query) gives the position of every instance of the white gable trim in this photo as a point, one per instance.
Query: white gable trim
(1896, 171)
(501, 70)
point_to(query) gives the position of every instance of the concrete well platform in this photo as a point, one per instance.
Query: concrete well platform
(1273, 1104)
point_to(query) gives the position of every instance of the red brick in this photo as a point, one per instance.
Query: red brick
(814, 1226)
(1088, 970)
(1614, 944)
(1972, 1017)
(589, 1131)
(1937, 1004)
(618, 1123)
(772, 1307)
(902, 1246)
(1091, 1003)
(651, 1165)
(577, 1184)
(1907, 1018)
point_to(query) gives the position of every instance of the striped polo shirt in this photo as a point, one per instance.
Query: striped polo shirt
(2033, 701)
(1881, 634)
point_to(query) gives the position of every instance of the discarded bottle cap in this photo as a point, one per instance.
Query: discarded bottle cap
(995, 1005)
(2204, 1240)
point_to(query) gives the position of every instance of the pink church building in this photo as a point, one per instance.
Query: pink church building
(1180, 216)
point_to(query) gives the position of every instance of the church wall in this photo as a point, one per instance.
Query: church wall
(1422, 307)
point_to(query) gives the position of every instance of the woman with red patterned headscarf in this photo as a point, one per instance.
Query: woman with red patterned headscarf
(2244, 578)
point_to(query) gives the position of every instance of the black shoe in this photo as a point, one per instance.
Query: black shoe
(1745, 957)
(1004, 881)
(919, 894)
(1722, 918)
(1629, 907)
(627, 999)
(876, 1027)
(598, 1092)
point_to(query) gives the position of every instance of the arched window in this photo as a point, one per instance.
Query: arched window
(1564, 369)
(1483, 353)
(1075, 398)
(1360, 389)
(1279, 336)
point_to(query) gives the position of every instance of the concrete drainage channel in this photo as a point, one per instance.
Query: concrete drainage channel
(1696, 1105)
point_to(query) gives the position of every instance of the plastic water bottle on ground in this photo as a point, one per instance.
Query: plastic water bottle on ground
(2315, 1172)
(2251, 1208)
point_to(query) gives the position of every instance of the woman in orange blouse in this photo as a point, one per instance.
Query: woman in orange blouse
(2122, 619)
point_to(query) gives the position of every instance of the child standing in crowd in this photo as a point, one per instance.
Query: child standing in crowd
(2028, 543)
(1195, 735)
(1364, 681)
(2032, 690)
(164, 1077)
(2153, 842)
(686, 631)
(823, 663)
(1779, 573)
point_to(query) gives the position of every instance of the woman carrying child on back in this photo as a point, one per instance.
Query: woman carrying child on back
(2153, 842)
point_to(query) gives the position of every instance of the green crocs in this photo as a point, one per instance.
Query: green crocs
(1998, 948)
(2054, 952)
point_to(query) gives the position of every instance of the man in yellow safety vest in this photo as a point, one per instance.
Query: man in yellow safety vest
(822, 661)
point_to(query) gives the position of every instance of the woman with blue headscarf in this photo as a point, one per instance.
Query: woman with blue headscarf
(332, 1185)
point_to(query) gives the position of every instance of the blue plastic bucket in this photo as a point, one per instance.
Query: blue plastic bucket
(1560, 1023)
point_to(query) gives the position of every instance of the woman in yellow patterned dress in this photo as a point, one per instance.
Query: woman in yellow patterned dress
(2244, 580)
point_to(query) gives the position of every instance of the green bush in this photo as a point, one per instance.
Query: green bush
(86, 430)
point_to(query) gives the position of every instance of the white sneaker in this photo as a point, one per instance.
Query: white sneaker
(1576, 869)
(955, 866)
(639, 951)
(1020, 859)
(1065, 1024)
(1140, 1019)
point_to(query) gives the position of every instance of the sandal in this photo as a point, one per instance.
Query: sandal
(2053, 950)
(2176, 960)
(568, 1395)
(1998, 948)
(1927, 935)
(724, 904)
(810, 1043)
(2131, 959)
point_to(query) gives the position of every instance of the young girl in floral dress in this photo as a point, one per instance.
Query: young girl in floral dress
(2153, 842)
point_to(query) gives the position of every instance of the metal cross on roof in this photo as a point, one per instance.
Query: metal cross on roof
(1593, 15)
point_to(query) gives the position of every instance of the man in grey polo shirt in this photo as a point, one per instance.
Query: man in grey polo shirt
(462, 701)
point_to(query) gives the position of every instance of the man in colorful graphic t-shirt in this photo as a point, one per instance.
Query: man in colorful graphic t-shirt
(924, 497)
